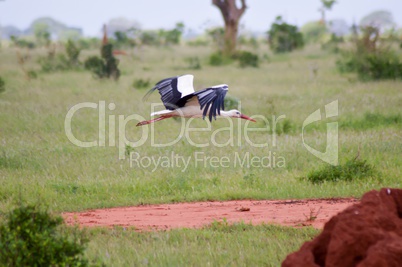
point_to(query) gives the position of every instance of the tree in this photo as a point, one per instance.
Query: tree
(326, 5)
(130, 27)
(173, 36)
(231, 16)
(378, 19)
(54, 28)
(42, 33)
(339, 27)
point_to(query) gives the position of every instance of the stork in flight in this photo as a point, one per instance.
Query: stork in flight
(180, 100)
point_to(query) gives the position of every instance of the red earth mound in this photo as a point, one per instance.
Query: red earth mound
(314, 212)
(368, 233)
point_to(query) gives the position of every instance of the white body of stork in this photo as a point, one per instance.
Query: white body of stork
(180, 100)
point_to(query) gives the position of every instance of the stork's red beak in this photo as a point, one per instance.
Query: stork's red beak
(247, 118)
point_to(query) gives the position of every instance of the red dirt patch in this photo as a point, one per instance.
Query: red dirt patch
(314, 212)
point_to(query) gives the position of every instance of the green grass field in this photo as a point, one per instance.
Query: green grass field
(38, 164)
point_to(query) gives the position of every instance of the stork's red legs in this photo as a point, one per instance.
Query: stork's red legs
(153, 120)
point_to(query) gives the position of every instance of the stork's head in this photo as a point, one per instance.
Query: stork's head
(234, 113)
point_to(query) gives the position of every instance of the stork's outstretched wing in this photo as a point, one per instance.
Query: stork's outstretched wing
(212, 99)
(173, 90)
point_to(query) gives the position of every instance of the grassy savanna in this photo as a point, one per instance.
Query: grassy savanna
(217, 245)
(39, 164)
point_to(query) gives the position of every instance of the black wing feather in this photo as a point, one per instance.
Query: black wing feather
(212, 100)
(170, 96)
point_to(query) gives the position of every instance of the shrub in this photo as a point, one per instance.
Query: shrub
(53, 63)
(21, 43)
(72, 52)
(370, 58)
(2, 85)
(96, 65)
(122, 40)
(247, 59)
(110, 62)
(231, 102)
(31, 237)
(351, 170)
(88, 43)
(105, 67)
(172, 36)
(371, 65)
(283, 37)
(141, 83)
(60, 62)
(285, 126)
(149, 38)
(193, 63)
(218, 59)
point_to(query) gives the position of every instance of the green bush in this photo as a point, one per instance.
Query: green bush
(351, 170)
(193, 63)
(371, 58)
(172, 37)
(231, 102)
(73, 53)
(371, 65)
(247, 59)
(54, 63)
(122, 40)
(283, 37)
(88, 43)
(285, 126)
(150, 38)
(31, 237)
(96, 65)
(2, 85)
(105, 67)
(59, 62)
(21, 43)
(111, 62)
(141, 83)
(218, 59)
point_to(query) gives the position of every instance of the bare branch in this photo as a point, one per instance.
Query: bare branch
(218, 3)
(243, 5)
